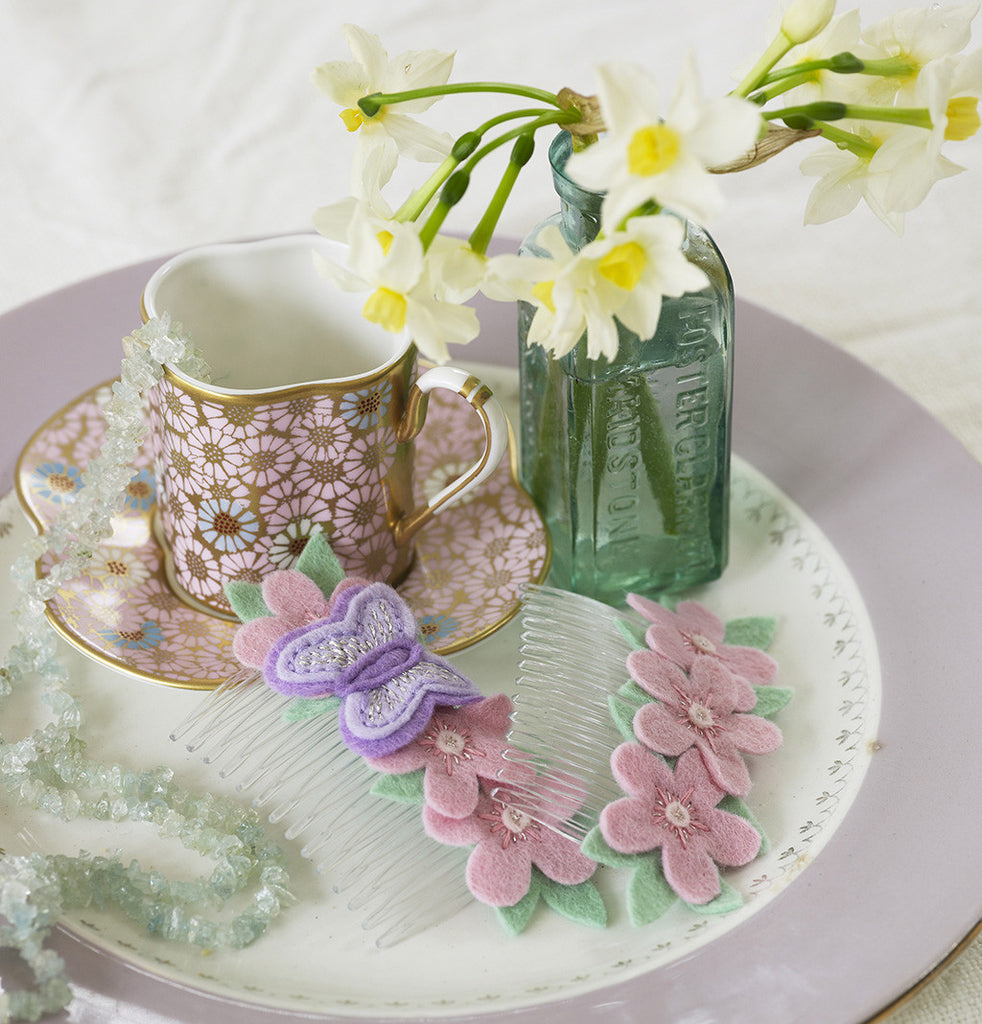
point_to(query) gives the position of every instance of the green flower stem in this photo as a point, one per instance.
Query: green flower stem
(658, 459)
(559, 117)
(823, 110)
(856, 144)
(809, 67)
(781, 80)
(453, 192)
(418, 201)
(511, 115)
(919, 117)
(778, 88)
(370, 105)
(755, 77)
(889, 67)
(465, 147)
(521, 154)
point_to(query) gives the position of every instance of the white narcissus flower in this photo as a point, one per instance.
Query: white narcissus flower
(637, 266)
(392, 129)
(456, 270)
(917, 36)
(387, 260)
(950, 89)
(844, 179)
(618, 277)
(650, 155)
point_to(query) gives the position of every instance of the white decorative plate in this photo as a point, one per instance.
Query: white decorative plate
(318, 959)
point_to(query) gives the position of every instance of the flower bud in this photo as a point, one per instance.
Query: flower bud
(804, 19)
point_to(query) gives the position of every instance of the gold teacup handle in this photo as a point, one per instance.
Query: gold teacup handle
(479, 397)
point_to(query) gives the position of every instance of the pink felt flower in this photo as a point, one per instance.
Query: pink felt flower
(457, 747)
(508, 843)
(705, 709)
(295, 600)
(692, 630)
(677, 812)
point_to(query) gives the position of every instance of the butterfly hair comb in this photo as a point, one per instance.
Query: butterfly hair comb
(334, 673)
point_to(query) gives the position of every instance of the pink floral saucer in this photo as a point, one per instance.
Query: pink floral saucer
(471, 561)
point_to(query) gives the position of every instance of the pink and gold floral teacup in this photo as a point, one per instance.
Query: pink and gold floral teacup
(307, 423)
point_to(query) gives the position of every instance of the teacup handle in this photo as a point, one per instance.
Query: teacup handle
(479, 397)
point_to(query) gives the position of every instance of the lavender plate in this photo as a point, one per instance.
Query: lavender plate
(893, 891)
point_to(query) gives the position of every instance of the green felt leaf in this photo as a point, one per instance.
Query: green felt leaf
(319, 562)
(735, 805)
(301, 708)
(580, 903)
(515, 919)
(403, 789)
(622, 713)
(595, 847)
(726, 902)
(623, 706)
(632, 692)
(753, 631)
(246, 600)
(648, 893)
(771, 700)
(632, 632)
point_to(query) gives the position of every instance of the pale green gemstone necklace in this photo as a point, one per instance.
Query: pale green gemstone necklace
(49, 770)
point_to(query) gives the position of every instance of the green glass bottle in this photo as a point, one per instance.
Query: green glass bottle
(629, 460)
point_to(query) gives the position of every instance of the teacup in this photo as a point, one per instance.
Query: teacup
(308, 422)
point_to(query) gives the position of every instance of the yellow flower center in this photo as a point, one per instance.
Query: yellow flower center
(385, 239)
(623, 265)
(386, 308)
(963, 118)
(652, 150)
(353, 119)
(543, 292)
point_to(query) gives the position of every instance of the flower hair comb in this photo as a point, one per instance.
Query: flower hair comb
(660, 708)
(334, 674)
(341, 704)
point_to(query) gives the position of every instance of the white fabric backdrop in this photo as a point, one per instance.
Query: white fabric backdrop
(129, 130)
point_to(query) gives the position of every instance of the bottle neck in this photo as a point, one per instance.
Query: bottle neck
(579, 207)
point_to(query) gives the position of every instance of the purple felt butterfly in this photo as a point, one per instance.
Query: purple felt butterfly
(368, 653)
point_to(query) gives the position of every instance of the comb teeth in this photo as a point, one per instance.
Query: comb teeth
(573, 656)
(302, 774)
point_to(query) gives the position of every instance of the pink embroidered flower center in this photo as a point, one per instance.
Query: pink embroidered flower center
(701, 644)
(511, 825)
(453, 745)
(675, 813)
(700, 716)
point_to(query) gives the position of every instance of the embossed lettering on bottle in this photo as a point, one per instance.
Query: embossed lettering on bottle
(694, 447)
(621, 469)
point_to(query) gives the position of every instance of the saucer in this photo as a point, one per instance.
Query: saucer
(472, 561)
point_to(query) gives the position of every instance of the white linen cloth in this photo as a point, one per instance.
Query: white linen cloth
(131, 130)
